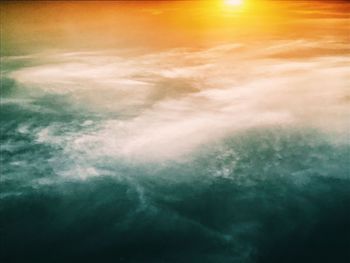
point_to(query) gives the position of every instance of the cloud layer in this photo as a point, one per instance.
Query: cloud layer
(167, 104)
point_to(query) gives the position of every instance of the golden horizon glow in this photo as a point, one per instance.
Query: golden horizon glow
(62, 23)
(233, 2)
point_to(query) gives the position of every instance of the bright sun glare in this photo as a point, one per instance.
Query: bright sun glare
(233, 2)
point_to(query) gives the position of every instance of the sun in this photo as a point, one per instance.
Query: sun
(233, 2)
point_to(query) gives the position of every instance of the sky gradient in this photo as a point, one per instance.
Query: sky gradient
(175, 132)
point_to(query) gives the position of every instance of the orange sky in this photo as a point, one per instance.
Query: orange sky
(33, 26)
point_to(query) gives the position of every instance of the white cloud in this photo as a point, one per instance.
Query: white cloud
(192, 97)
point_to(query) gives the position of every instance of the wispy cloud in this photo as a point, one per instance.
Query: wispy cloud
(181, 99)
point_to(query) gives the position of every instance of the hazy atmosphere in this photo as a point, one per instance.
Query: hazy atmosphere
(175, 131)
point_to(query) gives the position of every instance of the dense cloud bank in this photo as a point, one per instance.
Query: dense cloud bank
(230, 154)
